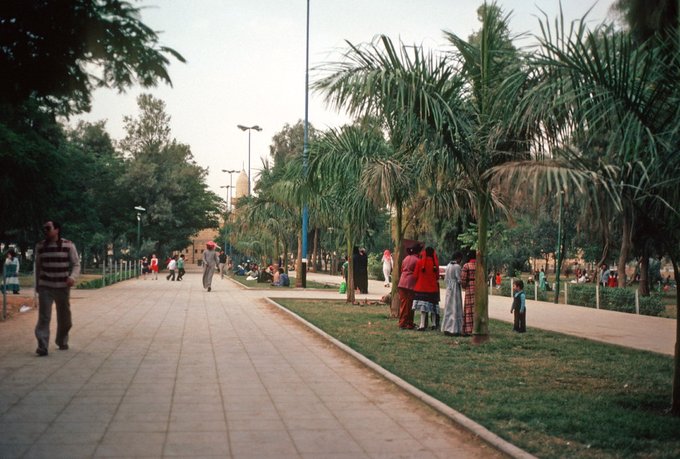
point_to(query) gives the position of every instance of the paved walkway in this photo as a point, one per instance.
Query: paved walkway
(165, 369)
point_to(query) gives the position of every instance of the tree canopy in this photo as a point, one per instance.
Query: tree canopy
(58, 52)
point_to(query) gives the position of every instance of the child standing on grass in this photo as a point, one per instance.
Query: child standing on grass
(519, 307)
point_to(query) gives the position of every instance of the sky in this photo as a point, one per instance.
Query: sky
(246, 63)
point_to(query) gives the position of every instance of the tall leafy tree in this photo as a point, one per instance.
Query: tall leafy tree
(162, 176)
(57, 53)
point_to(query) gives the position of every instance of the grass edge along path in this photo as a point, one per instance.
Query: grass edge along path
(460, 419)
(549, 394)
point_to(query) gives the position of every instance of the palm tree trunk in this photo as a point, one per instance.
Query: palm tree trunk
(285, 256)
(625, 249)
(315, 251)
(481, 316)
(675, 399)
(643, 287)
(398, 239)
(298, 262)
(350, 298)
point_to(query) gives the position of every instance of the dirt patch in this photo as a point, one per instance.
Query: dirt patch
(15, 302)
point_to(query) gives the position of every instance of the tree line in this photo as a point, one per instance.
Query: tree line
(53, 55)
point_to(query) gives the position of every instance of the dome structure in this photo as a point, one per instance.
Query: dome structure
(241, 188)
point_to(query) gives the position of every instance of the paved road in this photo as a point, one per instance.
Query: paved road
(165, 369)
(636, 331)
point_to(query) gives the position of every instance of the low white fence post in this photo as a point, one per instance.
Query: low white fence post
(637, 302)
(597, 295)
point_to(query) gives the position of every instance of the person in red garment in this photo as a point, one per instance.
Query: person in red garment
(405, 287)
(426, 296)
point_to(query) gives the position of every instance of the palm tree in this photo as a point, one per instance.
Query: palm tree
(440, 110)
(608, 107)
(338, 168)
(378, 82)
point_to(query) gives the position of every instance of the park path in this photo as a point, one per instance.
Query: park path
(655, 334)
(165, 369)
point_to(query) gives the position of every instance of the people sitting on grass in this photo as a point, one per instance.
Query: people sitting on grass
(254, 273)
(282, 279)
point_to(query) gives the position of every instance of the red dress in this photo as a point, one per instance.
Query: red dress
(467, 281)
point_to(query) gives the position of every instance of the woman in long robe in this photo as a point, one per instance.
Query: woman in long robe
(453, 304)
(467, 281)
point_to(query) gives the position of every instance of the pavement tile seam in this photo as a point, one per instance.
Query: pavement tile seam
(245, 350)
(121, 343)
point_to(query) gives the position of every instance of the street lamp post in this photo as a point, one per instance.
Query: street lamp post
(249, 128)
(228, 187)
(305, 155)
(139, 210)
(231, 193)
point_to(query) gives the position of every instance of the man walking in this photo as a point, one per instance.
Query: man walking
(57, 267)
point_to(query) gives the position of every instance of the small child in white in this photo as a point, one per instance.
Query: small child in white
(519, 306)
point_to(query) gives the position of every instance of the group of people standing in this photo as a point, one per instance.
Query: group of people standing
(419, 291)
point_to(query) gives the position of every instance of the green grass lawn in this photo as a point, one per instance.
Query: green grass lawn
(550, 394)
(267, 286)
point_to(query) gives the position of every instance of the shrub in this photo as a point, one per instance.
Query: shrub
(614, 299)
(506, 290)
(582, 295)
(375, 266)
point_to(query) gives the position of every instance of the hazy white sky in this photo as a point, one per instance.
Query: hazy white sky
(246, 62)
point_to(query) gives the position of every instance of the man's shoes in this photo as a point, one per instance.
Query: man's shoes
(41, 351)
(63, 347)
(209, 289)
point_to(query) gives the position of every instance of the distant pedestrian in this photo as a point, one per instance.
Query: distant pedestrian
(387, 266)
(210, 262)
(360, 266)
(344, 268)
(154, 266)
(498, 280)
(172, 266)
(145, 267)
(10, 273)
(613, 280)
(57, 266)
(467, 281)
(604, 275)
(453, 303)
(541, 280)
(519, 307)
(180, 267)
(223, 262)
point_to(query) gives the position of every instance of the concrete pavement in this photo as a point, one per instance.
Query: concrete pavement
(165, 369)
